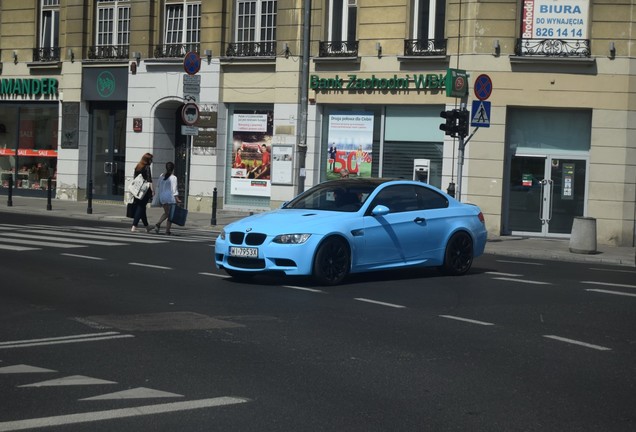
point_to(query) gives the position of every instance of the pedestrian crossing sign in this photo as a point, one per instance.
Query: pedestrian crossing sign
(480, 114)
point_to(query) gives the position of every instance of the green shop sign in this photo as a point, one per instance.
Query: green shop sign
(28, 86)
(396, 82)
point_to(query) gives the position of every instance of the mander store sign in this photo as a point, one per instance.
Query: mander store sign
(28, 86)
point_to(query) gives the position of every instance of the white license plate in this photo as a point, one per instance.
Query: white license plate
(245, 252)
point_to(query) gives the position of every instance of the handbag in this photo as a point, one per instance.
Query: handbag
(178, 215)
(138, 187)
(130, 210)
(155, 201)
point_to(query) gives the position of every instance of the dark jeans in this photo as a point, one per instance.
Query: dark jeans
(140, 209)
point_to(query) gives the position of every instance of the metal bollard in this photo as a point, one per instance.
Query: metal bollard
(10, 194)
(48, 195)
(213, 220)
(89, 209)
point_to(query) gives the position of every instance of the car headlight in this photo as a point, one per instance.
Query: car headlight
(222, 235)
(291, 238)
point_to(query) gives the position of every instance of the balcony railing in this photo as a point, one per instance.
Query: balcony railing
(425, 47)
(175, 50)
(338, 49)
(46, 54)
(108, 52)
(553, 47)
(251, 49)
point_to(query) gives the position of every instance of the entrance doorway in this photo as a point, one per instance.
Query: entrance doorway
(545, 193)
(108, 143)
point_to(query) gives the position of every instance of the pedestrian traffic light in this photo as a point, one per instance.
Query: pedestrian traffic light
(464, 123)
(450, 127)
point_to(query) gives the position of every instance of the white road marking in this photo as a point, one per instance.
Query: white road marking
(16, 248)
(523, 281)
(105, 236)
(119, 413)
(222, 276)
(150, 266)
(59, 338)
(82, 256)
(613, 270)
(303, 289)
(74, 380)
(65, 341)
(62, 239)
(609, 284)
(467, 320)
(380, 303)
(41, 243)
(504, 274)
(136, 393)
(575, 342)
(22, 368)
(520, 262)
(612, 292)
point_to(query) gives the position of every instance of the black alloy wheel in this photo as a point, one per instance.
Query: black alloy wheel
(332, 262)
(459, 254)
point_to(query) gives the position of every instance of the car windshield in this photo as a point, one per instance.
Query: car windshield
(337, 195)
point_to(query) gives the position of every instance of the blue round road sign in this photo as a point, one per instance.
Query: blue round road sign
(192, 63)
(483, 87)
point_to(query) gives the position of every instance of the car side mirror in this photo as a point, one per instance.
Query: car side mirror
(380, 210)
(284, 204)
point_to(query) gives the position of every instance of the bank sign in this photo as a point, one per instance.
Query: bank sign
(551, 19)
(353, 82)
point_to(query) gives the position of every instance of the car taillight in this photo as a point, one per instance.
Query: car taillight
(480, 216)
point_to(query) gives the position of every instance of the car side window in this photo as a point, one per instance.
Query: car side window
(429, 199)
(399, 198)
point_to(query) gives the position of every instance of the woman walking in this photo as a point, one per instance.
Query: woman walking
(168, 196)
(143, 168)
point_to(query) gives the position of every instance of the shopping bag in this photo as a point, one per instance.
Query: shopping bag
(178, 215)
(138, 187)
(155, 200)
(130, 210)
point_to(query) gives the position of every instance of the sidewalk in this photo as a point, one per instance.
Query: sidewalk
(512, 246)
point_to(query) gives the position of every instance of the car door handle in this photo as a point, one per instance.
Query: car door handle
(419, 220)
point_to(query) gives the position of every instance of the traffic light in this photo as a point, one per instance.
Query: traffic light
(450, 127)
(464, 123)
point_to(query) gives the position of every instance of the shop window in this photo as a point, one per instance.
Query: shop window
(49, 49)
(113, 30)
(255, 29)
(429, 20)
(554, 29)
(341, 33)
(28, 147)
(182, 29)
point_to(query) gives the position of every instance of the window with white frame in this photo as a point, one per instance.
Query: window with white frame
(429, 19)
(182, 27)
(256, 24)
(113, 27)
(50, 25)
(342, 20)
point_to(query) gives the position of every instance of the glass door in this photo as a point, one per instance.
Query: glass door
(109, 152)
(545, 193)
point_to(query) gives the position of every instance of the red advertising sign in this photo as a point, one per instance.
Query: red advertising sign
(29, 153)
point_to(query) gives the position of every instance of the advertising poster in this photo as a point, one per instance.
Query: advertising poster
(350, 142)
(549, 19)
(251, 153)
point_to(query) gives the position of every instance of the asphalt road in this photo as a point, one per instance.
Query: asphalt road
(141, 336)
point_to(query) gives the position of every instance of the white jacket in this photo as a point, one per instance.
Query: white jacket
(168, 189)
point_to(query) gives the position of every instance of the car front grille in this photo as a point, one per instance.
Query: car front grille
(251, 239)
(246, 263)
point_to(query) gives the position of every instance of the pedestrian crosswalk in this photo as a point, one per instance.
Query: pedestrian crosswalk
(30, 237)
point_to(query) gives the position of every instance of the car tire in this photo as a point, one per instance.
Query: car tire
(458, 257)
(332, 262)
(239, 275)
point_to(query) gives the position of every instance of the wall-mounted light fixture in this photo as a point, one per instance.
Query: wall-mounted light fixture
(70, 55)
(208, 54)
(378, 48)
(287, 52)
(612, 50)
(496, 48)
(15, 57)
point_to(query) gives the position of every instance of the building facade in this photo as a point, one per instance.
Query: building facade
(262, 112)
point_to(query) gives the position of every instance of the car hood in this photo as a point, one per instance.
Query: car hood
(291, 221)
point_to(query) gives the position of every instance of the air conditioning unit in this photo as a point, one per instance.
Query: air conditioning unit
(352, 2)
